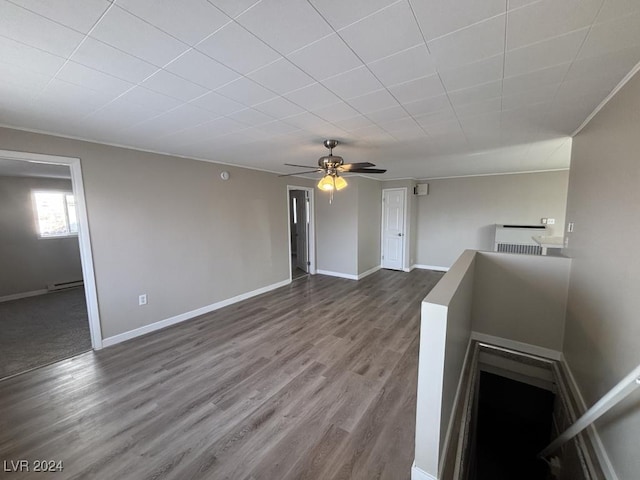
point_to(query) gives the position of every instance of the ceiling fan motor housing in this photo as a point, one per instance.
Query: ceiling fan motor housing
(330, 161)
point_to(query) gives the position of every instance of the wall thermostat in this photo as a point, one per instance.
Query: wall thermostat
(225, 175)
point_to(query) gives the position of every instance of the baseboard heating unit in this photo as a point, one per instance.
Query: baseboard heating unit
(54, 287)
(518, 239)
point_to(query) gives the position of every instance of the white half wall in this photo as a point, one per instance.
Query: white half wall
(445, 330)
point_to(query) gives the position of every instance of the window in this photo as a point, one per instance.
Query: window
(55, 214)
(295, 210)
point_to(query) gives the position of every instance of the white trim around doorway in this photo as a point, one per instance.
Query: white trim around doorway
(84, 239)
(312, 229)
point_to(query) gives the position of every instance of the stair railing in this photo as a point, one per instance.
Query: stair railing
(623, 388)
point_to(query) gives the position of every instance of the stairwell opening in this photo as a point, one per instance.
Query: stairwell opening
(514, 422)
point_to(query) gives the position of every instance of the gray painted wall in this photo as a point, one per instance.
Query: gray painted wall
(30, 263)
(337, 230)
(171, 228)
(602, 337)
(348, 230)
(521, 297)
(460, 213)
(369, 223)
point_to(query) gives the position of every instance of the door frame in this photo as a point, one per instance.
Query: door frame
(312, 229)
(404, 227)
(84, 237)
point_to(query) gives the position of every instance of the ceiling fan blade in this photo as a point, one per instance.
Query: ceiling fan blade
(366, 170)
(348, 167)
(300, 173)
(301, 166)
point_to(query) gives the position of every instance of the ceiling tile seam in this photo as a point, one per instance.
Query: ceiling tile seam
(337, 32)
(360, 19)
(156, 27)
(415, 18)
(324, 37)
(395, 53)
(242, 12)
(111, 3)
(162, 68)
(504, 54)
(474, 24)
(159, 68)
(77, 47)
(162, 114)
(526, 5)
(546, 39)
(181, 130)
(61, 57)
(426, 44)
(295, 66)
(194, 47)
(584, 41)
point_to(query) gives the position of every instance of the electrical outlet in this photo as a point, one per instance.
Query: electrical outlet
(142, 299)
(551, 221)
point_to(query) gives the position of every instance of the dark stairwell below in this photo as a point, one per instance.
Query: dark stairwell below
(514, 422)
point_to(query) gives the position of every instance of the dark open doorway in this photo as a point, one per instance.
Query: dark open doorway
(299, 227)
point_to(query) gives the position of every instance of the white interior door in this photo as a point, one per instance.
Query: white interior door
(393, 228)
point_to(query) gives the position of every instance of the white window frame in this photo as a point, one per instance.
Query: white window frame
(69, 233)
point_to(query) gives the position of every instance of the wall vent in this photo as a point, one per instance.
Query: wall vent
(518, 239)
(517, 248)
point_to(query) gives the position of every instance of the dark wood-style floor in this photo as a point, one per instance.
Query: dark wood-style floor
(315, 380)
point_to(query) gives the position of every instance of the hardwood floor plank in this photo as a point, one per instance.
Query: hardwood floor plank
(315, 380)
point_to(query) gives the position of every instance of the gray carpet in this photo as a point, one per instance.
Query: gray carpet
(36, 331)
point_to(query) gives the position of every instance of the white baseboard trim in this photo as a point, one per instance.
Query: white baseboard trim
(591, 430)
(418, 474)
(515, 345)
(17, 296)
(429, 267)
(107, 342)
(337, 274)
(369, 272)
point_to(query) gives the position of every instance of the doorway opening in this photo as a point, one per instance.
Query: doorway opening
(48, 304)
(394, 221)
(301, 231)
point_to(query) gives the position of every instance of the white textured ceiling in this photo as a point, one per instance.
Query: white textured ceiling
(423, 88)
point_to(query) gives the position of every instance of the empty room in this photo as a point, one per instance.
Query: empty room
(286, 239)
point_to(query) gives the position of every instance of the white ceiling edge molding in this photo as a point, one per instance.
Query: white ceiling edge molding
(495, 174)
(129, 147)
(606, 100)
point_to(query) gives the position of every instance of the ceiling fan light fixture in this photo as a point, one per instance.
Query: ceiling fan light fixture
(340, 183)
(326, 183)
